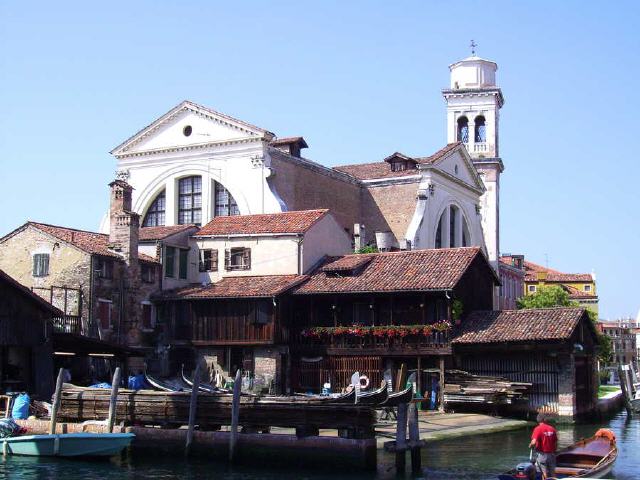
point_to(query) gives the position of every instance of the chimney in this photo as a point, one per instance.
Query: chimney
(124, 224)
(359, 237)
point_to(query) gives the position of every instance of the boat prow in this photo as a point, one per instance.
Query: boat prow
(68, 444)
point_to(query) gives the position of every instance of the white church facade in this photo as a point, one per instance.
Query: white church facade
(194, 164)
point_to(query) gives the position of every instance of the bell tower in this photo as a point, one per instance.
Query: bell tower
(473, 117)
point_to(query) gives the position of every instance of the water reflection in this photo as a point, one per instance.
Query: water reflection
(479, 457)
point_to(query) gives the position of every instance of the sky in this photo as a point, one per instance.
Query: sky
(359, 80)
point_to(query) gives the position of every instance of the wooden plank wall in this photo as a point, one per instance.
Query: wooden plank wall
(539, 370)
(309, 376)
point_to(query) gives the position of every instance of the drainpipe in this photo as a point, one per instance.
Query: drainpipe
(300, 255)
(90, 313)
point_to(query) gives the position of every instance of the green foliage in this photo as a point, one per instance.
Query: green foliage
(456, 309)
(367, 249)
(546, 297)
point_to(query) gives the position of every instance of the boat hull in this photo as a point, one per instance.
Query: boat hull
(69, 444)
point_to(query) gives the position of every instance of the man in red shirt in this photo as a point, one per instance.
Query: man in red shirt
(545, 440)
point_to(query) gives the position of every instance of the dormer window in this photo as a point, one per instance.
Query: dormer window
(399, 162)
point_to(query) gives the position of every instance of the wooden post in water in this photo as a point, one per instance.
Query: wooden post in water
(56, 402)
(113, 401)
(235, 415)
(193, 406)
(441, 392)
(414, 439)
(623, 386)
(401, 438)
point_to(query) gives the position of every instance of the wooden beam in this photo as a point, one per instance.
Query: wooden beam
(56, 402)
(193, 406)
(235, 415)
(115, 385)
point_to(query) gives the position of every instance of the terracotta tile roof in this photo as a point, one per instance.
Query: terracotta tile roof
(238, 287)
(532, 269)
(159, 233)
(577, 294)
(347, 263)
(416, 270)
(29, 294)
(89, 242)
(267, 223)
(288, 140)
(531, 325)
(369, 171)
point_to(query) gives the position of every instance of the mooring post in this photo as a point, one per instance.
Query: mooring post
(401, 438)
(414, 439)
(113, 401)
(442, 385)
(193, 406)
(623, 386)
(56, 402)
(235, 415)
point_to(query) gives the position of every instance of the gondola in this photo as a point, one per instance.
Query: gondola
(160, 385)
(396, 398)
(343, 398)
(203, 387)
(374, 397)
(589, 458)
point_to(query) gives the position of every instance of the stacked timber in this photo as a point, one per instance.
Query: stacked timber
(465, 388)
(150, 407)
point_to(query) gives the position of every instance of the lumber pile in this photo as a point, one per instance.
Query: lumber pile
(149, 407)
(465, 388)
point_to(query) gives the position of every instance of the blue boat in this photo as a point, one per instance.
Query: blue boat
(68, 444)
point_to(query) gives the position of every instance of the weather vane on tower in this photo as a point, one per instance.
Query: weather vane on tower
(473, 46)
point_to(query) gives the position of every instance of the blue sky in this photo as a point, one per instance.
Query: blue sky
(359, 80)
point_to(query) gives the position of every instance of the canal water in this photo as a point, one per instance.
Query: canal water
(479, 457)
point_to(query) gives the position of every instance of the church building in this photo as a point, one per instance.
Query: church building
(194, 164)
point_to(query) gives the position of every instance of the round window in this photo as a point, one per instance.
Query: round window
(187, 130)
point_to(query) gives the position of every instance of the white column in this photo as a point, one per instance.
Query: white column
(171, 203)
(207, 188)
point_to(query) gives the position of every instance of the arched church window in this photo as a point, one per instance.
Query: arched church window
(480, 129)
(190, 200)
(225, 203)
(453, 217)
(155, 213)
(463, 129)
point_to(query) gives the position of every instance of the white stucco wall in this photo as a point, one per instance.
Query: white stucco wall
(326, 237)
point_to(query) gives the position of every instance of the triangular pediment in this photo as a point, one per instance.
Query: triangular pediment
(189, 124)
(457, 163)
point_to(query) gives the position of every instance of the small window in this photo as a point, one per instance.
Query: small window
(148, 273)
(104, 268)
(147, 319)
(587, 288)
(41, 265)
(532, 288)
(104, 314)
(184, 263)
(186, 131)
(169, 262)
(237, 259)
(208, 260)
(263, 312)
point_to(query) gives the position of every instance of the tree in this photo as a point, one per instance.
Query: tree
(367, 249)
(555, 296)
(546, 297)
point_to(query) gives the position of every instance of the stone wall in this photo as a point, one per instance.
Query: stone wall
(566, 386)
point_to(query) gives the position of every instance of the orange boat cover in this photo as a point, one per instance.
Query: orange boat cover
(606, 433)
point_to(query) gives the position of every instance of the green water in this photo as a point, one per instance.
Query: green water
(477, 457)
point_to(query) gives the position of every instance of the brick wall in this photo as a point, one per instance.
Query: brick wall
(566, 386)
(388, 208)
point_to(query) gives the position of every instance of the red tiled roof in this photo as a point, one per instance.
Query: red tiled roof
(531, 325)
(347, 263)
(242, 287)
(285, 222)
(416, 270)
(577, 294)
(29, 294)
(532, 269)
(369, 171)
(89, 242)
(158, 233)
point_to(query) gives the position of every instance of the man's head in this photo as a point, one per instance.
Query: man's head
(542, 418)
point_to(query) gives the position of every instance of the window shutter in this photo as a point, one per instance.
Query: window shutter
(246, 258)
(36, 265)
(227, 259)
(214, 260)
(45, 264)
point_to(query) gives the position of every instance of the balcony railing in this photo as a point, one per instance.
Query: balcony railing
(208, 330)
(480, 147)
(74, 324)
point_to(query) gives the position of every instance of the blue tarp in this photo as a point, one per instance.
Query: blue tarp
(101, 385)
(21, 407)
(136, 382)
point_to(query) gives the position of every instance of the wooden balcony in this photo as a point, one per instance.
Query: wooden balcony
(72, 324)
(437, 343)
(237, 331)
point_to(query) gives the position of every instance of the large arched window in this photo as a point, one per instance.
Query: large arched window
(225, 203)
(190, 200)
(463, 129)
(480, 130)
(155, 213)
(452, 230)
